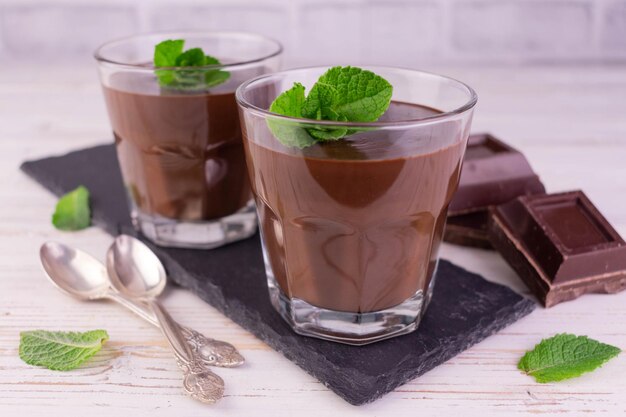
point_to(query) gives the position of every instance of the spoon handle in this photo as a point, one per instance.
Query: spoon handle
(134, 307)
(172, 332)
(199, 382)
(211, 352)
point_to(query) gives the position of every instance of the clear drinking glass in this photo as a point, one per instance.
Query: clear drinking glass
(180, 149)
(351, 228)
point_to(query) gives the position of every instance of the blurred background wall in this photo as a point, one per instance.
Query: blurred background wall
(398, 32)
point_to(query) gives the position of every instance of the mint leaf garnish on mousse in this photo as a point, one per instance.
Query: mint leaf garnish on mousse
(170, 53)
(341, 94)
(72, 211)
(565, 356)
(60, 351)
(290, 103)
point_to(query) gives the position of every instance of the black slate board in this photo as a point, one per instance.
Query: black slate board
(464, 310)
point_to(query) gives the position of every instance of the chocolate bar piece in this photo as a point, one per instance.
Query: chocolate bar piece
(493, 173)
(560, 245)
(468, 230)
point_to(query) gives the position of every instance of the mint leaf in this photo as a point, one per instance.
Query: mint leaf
(342, 94)
(290, 103)
(72, 211)
(319, 106)
(565, 356)
(319, 103)
(211, 60)
(362, 96)
(170, 54)
(191, 58)
(60, 351)
(214, 77)
(166, 52)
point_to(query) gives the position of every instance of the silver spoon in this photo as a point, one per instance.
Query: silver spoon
(136, 272)
(81, 276)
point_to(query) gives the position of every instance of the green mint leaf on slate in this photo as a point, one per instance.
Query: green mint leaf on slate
(170, 53)
(342, 94)
(72, 211)
(290, 103)
(565, 356)
(60, 351)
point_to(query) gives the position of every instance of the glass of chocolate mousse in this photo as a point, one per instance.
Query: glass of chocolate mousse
(171, 103)
(351, 227)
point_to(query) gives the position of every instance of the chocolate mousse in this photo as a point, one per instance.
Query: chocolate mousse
(180, 152)
(355, 224)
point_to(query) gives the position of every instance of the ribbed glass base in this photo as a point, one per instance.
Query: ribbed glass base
(345, 327)
(197, 234)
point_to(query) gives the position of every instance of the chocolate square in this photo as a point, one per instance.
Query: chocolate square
(469, 229)
(493, 173)
(560, 245)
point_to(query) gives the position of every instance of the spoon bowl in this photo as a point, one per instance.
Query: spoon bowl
(134, 269)
(74, 271)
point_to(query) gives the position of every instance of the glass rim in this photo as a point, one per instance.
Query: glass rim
(468, 105)
(99, 56)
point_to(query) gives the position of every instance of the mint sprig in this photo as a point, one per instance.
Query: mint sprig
(72, 211)
(341, 94)
(290, 133)
(170, 53)
(60, 351)
(565, 356)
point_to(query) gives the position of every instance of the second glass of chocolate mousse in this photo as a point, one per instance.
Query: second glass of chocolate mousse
(352, 210)
(171, 102)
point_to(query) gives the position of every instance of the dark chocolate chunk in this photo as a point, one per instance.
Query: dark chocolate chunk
(464, 310)
(468, 230)
(560, 245)
(493, 173)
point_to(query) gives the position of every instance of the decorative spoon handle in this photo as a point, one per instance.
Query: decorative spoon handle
(199, 382)
(211, 352)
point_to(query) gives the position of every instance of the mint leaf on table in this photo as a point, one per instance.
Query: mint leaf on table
(565, 356)
(72, 211)
(170, 53)
(341, 94)
(60, 351)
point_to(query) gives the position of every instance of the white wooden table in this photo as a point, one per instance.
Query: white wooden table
(570, 122)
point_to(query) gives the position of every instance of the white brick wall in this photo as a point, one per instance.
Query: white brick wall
(46, 31)
(395, 32)
(523, 29)
(614, 26)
